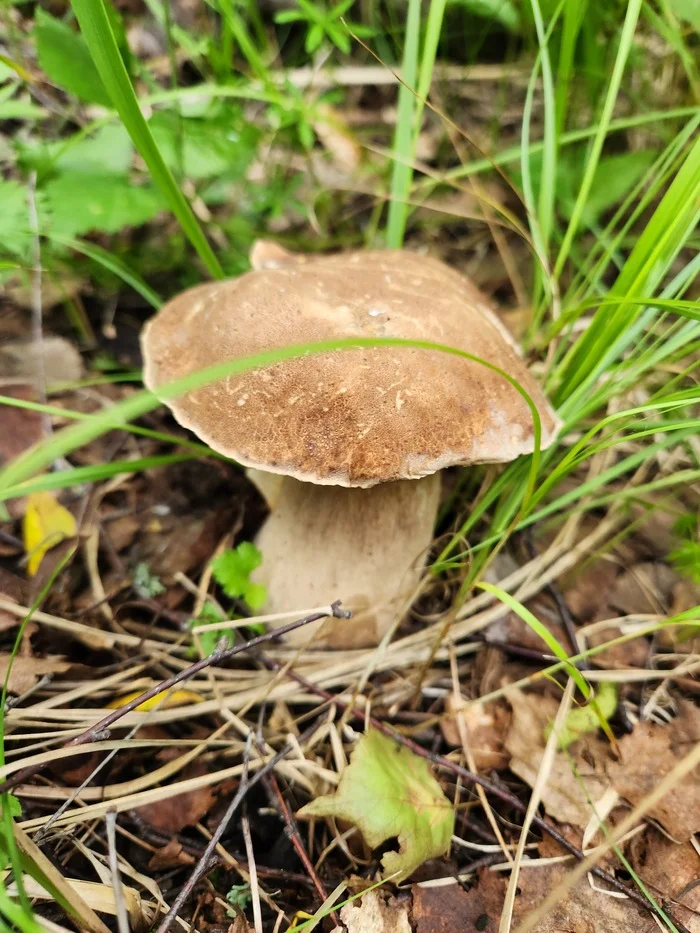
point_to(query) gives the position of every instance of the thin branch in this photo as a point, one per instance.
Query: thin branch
(221, 654)
(208, 856)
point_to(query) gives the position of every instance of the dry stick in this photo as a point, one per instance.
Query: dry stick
(245, 785)
(272, 786)
(441, 762)
(96, 732)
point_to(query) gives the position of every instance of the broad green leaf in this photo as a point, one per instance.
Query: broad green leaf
(211, 147)
(63, 55)
(585, 719)
(81, 203)
(15, 237)
(109, 151)
(388, 792)
(232, 571)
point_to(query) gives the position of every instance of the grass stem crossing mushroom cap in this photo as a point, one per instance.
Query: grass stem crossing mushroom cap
(347, 417)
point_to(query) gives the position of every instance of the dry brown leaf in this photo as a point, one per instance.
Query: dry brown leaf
(26, 671)
(19, 429)
(486, 727)
(375, 913)
(16, 589)
(450, 909)
(672, 871)
(645, 588)
(173, 814)
(564, 797)
(647, 756)
(582, 910)
(170, 855)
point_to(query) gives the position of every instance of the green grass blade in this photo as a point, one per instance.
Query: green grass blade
(625, 45)
(110, 262)
(97, 31)
(402, 172)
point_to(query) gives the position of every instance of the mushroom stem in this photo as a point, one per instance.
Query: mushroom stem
(366, 547)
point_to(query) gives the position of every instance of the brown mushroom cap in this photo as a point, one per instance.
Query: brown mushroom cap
(348, 417)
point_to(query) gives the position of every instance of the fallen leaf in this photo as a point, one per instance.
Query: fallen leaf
(647, 755)
(15, 589)
(173, 814)
(46, 524)
(582, 910)
(672, 872)
(19, 428)
(25, 671)
(451, 909)
(645, 588)
(171, 855)
(375, 913)
(162, 701)
(387, 791)
(486, 725)
(565, 796)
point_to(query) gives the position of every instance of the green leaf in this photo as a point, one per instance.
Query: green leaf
(15, 237)
(108, 151)
(388, 792)
(63, 55)
(232, 571)
(80, 203)
(211, 147)
(503, 12)
(585, 719)
(614, 178)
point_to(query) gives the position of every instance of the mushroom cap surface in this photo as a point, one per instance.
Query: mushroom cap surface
(348, 417)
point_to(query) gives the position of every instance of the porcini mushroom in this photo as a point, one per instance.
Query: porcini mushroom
(357, 437)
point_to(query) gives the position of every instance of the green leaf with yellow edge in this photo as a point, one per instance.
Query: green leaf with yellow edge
(585, 719)
(388, 792)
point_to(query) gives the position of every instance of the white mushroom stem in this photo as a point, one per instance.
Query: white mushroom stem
(366, 547)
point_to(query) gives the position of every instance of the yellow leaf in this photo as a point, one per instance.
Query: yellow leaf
(167, 701)
(46, 524)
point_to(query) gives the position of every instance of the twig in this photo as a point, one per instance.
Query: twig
(119, 902)
(441, 762)
(205, 861)
(221, 654)
(272, 786)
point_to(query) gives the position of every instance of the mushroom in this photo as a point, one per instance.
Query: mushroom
(356, 438)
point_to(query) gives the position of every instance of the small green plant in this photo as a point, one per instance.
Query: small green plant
(146, 584)
(324, 23)
(239, 897)
(686, 557)
(232, 571)
(208, 641)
